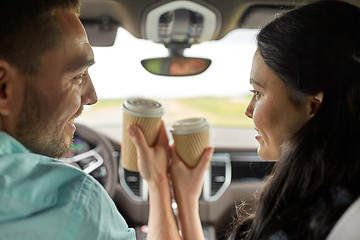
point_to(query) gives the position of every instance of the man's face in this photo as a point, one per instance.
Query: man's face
(56, 95)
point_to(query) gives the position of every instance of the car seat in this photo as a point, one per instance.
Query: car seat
(348, 226)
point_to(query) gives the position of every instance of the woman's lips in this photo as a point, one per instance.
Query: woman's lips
(258, 134)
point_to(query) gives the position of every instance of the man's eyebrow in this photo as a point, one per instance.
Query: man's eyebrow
(252, 81)
(79, 64)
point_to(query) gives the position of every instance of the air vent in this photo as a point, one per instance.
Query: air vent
(132, 180)
(218, 178)
(134, 185)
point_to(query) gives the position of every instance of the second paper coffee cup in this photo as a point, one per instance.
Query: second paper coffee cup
(146, 114)
(191, 137)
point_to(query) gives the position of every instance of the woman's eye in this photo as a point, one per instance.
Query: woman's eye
(256, 94)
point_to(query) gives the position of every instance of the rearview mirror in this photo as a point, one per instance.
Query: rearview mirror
(176, 66)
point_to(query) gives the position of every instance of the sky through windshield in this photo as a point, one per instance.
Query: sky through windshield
(118, 72)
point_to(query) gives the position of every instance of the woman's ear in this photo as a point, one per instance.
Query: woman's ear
(314, 103)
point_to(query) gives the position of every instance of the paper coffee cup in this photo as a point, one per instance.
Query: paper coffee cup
(191, 137)
(146, 114)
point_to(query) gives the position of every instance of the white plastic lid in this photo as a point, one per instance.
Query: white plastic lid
(190, 125)
(143, 107)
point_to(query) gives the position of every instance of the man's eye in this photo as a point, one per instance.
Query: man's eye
(256, 94)
(79, 78)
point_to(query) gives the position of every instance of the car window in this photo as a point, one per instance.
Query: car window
(220, 94)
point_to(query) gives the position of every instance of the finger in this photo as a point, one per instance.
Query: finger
(162, 138)
(138, 138)
(175, 160)
(174, 156)
(205, 159)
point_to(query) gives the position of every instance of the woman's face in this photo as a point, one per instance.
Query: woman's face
(275, 116)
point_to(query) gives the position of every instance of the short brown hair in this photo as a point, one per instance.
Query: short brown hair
(28, 29)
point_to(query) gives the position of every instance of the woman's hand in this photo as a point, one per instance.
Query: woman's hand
(187, 186)
(187, 182)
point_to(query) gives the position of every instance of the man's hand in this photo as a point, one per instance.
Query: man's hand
(152, 160)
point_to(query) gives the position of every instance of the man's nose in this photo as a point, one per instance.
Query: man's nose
(89, 96)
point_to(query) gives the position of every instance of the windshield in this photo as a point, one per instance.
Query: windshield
(220, 94)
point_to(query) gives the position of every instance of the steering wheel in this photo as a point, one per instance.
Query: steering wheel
(100, 155)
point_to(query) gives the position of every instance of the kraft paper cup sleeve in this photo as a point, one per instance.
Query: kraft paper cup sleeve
(149, 126)
(190, 147)
(191, 143)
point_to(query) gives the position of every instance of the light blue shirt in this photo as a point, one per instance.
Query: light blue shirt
(42, 198)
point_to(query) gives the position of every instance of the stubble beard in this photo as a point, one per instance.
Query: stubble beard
(36, 128)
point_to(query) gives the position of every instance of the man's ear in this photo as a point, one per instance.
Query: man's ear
(4, 88)
(314, 103)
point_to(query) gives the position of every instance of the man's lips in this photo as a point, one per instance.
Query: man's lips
(78, 113)
(71, 124)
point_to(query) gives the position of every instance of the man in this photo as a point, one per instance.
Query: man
(44, 84)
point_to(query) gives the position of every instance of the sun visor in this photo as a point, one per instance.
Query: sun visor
(102, 32)
(258, 16)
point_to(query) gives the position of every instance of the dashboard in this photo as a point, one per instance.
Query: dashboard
(233, 177)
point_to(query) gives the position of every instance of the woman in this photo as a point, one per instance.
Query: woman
(306, 109)
(313, 54)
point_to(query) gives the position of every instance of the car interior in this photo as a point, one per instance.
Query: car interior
(169, 31)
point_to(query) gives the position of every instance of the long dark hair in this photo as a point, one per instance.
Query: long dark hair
(314, 48)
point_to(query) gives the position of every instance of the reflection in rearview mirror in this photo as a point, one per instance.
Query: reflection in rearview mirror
(176, 66)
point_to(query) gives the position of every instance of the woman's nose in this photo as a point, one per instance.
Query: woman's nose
(249, 111)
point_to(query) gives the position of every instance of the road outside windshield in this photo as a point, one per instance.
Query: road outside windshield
(220, 94)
